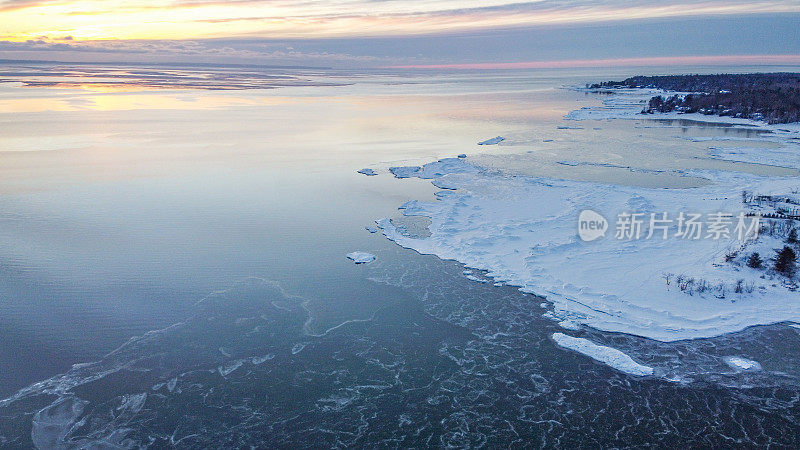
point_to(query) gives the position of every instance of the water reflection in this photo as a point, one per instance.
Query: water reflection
(119, 209)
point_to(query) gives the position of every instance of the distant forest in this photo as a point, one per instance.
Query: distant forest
(771, 97)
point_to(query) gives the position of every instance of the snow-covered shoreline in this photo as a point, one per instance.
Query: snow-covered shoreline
(522, 231)
(628, 103)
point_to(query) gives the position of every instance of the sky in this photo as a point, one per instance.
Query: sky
(390, 33)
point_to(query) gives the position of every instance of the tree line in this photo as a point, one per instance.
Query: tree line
(771, 97)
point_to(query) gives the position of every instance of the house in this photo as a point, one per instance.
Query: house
(789, 209)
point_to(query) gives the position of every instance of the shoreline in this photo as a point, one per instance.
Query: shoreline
(476, 203)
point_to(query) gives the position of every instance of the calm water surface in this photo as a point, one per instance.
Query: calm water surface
(222, 217)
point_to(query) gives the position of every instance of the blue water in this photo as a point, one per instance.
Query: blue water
(222, 219)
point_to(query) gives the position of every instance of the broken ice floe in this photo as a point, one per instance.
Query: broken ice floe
(492, 141)
(361, 257)
(606, 355)
(744, 364)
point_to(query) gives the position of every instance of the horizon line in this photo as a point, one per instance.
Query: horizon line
(615, 62)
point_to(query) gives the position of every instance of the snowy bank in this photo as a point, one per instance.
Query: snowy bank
(523, 231)
(628, 104)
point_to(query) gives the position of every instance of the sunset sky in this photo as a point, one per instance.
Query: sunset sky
(376, 33)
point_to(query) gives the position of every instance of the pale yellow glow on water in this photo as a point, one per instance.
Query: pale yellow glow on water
(133, 101)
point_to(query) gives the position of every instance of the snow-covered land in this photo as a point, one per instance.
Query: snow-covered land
(628, 104)
(606, 355)
(523, 231)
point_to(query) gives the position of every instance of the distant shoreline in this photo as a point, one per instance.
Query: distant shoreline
(770, 97)
(164, 64)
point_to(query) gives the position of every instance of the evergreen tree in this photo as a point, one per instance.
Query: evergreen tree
(786, 261)
(792, 238)
(754, 261)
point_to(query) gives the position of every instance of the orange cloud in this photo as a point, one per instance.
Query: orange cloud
(194, 19)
